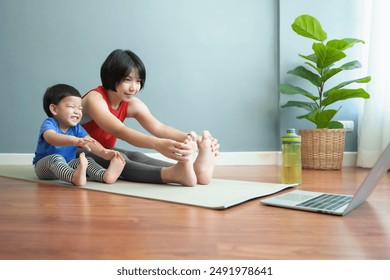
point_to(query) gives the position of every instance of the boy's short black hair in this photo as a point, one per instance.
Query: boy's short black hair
(54, 95)
(118, 66)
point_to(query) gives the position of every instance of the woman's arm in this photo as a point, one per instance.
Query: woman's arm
(95, 107)
(142, 114)
(138, 110)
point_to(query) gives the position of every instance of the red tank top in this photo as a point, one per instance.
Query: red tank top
(107, 140)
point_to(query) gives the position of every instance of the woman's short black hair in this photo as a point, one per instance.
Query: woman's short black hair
(54, 95)
(118, 66)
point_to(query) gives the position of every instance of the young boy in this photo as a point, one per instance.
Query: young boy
(61, 134)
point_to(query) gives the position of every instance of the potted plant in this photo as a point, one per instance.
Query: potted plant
(318, 69)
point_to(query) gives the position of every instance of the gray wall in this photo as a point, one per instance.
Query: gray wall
(210, 64)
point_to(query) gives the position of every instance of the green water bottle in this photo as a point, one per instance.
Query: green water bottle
(291, 158)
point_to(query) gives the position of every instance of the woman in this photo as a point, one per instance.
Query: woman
(106, 107)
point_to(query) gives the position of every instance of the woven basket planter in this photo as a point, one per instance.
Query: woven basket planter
(322, 148)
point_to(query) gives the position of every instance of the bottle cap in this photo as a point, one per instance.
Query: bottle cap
(291, 137)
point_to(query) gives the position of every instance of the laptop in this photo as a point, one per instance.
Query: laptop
(334, 204)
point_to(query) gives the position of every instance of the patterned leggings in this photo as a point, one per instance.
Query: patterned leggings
(54, 167)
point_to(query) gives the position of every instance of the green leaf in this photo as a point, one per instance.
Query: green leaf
(290, 89)
(321, 118)
(335, 124)
(326, 55)
(310, 27)
(343, 44)
(337, 44)
(341, 85)
(352, 42)
(326, 69)
(312, 57)
(314, 67)
(302, 72)
(308, 106)
(343, 94)
(330, 74)
(351, 65)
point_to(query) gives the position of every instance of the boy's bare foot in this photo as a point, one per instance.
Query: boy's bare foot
(205, 162)
(80, 175)
(114, 170)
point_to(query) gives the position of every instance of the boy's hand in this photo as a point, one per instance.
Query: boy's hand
(84, 142)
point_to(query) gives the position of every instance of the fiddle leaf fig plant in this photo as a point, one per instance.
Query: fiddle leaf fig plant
(318, 69)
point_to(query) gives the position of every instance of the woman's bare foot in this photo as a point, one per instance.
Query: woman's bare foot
(205, 162)
(114, 170)
(80, 175)
(192, 141)
(182, 172)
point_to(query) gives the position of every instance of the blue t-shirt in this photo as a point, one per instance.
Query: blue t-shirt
(44, 149)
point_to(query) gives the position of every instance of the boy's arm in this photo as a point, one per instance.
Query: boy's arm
(99, 150)
(56, 139)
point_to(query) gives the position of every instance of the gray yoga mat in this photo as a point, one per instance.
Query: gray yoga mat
(219, 194)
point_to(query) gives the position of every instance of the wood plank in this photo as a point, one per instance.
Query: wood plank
(41, 221)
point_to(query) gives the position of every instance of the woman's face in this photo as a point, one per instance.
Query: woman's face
(129, 86)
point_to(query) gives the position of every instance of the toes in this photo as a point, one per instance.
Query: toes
(206, 134)
(193, 136)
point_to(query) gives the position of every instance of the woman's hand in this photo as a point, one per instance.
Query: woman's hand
(197, 139)
(215, 146)
(173, 149)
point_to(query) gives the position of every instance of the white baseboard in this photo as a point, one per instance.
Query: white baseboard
(16, 159)
(225, 158)
(259, 158)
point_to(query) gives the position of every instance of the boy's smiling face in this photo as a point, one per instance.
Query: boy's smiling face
(68, 112)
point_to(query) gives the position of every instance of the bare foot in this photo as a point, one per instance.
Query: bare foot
(80, 175)
(182, 173)
(114, 170)
(205, 162)
(192, 141)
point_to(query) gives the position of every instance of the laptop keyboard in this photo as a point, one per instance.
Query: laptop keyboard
(326, 202)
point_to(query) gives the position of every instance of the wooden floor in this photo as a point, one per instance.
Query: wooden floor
(41, 221)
